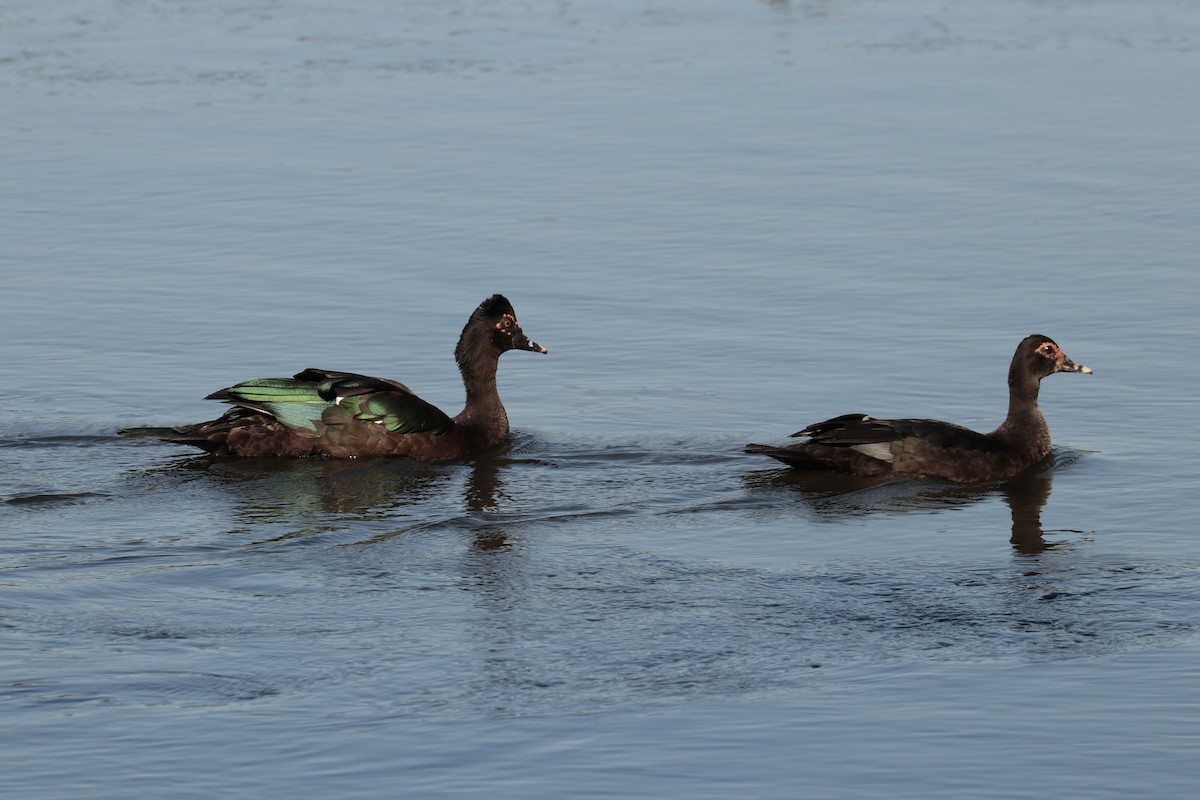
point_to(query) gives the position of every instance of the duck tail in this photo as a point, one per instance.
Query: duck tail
(183, 435)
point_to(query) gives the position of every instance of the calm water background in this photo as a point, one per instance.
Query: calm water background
(726, 219)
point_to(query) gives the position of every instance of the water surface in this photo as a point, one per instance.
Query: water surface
(726, 220)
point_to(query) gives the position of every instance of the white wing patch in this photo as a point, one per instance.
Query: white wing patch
(878, 450)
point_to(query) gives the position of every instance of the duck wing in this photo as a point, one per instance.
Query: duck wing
(860, 431)
(300, 402)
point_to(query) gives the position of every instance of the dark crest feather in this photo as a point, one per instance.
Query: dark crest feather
(495, 306)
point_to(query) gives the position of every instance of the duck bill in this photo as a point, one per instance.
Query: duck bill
(523, 342)
(1070, 366)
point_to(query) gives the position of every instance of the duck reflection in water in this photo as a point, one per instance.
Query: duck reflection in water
(830, 497)
(296, 498)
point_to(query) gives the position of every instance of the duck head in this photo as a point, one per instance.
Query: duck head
(497, 316)
(1043, 356)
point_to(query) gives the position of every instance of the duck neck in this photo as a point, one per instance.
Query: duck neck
(483, 408)
(1024, 421)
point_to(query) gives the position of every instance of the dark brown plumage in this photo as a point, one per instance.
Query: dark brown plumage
(327, 414)
(861, 445)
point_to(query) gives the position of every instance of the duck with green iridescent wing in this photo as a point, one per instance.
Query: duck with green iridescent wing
(318, 413)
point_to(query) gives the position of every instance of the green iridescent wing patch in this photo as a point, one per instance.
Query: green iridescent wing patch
(299, 402)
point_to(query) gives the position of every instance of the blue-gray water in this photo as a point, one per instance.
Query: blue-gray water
(726, 219)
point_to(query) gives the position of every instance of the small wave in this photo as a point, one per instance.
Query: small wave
(142, 688)
(59, 440)
(70, 498)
